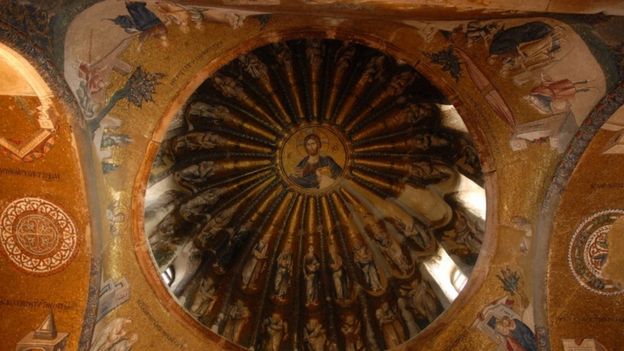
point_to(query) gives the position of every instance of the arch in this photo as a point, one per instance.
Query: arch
(465, 105)
(542, 244)
(59, 121)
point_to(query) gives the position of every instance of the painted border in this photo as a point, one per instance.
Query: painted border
(467, 108)
(92, 180)
(580, 228)
(541, 244)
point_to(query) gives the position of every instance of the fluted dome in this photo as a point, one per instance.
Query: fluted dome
(311, 196)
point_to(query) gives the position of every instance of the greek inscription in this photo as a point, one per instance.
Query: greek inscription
(47, 176)
(607, 186)
(37, 304)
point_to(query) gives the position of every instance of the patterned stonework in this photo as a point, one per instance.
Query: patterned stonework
(37, 235)
(589, 251)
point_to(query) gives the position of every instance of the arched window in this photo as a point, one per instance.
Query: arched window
(458, 279)
(168, 275)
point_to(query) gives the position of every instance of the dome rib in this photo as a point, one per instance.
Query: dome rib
(309, 187)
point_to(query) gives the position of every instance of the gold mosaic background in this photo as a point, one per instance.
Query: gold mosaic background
(126, 141)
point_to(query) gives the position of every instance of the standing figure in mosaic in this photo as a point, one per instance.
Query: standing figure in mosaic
(164, 239)
(406, 310)
(311, 273)
(204, 297)
(276, 330)
(214, 225)
(114, 332)
(229, 247)
(468, 232)
(237, 316)
(282, 276)
(390, 326)
(351, 331)
(314, 336)
(390, 248)
(422, 299)
(339, 275)
(255, 265)
(517, 335)
(417, 233)
(364, 260)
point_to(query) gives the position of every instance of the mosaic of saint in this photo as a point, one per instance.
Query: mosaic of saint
(313, 158)
(303, 194)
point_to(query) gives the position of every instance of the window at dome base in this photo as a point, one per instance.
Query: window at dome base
(315, 195)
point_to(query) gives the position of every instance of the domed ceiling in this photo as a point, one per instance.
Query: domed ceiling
(311, 196)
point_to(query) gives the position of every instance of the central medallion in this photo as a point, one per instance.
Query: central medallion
(313, 158)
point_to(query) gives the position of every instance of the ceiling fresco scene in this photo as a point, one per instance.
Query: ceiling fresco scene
(311, 175)
(316, 194)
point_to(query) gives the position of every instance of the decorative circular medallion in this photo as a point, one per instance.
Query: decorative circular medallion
(589, 251)
(37, 235)
(313, 158)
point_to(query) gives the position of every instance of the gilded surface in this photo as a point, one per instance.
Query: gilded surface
(345, 201)
(319, 140)
(51, 226)
(515, 210)
(579, 303)
(521, 103)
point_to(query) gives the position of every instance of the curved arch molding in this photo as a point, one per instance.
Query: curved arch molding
(49, 173)
(571, 160)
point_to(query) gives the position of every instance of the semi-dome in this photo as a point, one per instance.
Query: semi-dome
(314, 195)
